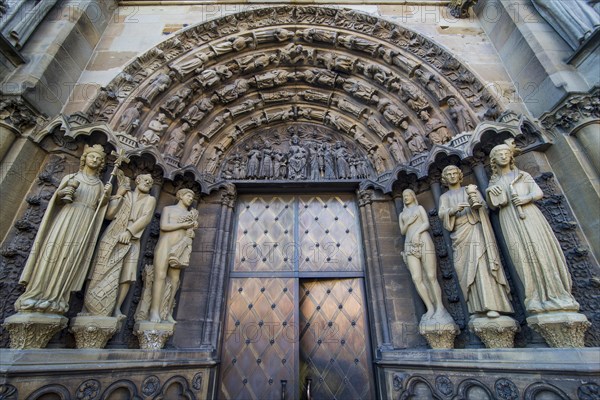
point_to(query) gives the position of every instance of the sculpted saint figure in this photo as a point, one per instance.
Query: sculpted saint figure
(437, 131)
(253, 166)
(172, 252)
(214, 160)
(158, 85)
(197, 111)
(574, 20)
(196, 153)
(174, 147)
(232, 44)
(115, 263)
(397, 150)
(194, 64)
(460, 116)
(419, 256)
(130, 118)
(64, 244)
(476, 259)
(156, 127)
(533, 248)
(416, 143)
(341, 161)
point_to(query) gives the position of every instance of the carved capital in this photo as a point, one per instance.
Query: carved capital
(93, 332)
(565, 329)
(573, 111)
(153, 336)
(439, 336)
(33, 330)
(228, 196)
(495, 333)
(364, 197)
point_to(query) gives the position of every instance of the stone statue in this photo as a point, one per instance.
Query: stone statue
(412, 97)
(416, 143)
(196, 153)
(158, 85)
(533, 248)
(266, 163)
(176, 103)
(236, 43)
(318, 35)
(419, 256)
(573, 20)
(432, 83)
(341, 161)
(535, 253)
(273, 35)
(328, 161)
(115, 264)
(197, 111)
(174, 146)
(358, 43)
(156, 128)
(212, 76)
(231, 92)
(397, 151)
(130, 118)
(253, 165)
(214, 160)
(436, 130)
(172, 252)
(193, 64)
(377, 159)
(460, 116)
(64, 244)
(476, 258)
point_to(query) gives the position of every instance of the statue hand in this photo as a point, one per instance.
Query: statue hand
(67, 191)
(125, 237)
(460, 207)
(520, 200)
(495, 190)
(107, 189)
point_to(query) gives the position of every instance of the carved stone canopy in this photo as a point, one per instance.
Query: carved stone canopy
(212, 90)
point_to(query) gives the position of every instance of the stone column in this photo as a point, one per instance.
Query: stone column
(220, 262)
(375, 285)
(589, 137)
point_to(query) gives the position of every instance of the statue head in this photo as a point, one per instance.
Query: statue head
(409, 197)
(94, 157)
(499, 156)
(448, 172)
(144, 182)
(185, 196)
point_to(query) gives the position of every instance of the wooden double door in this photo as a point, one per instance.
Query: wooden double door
(296, 324)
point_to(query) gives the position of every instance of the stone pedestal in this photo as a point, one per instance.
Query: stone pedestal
(92, 332)
(153, 335)
(495, 333)
(33, 330)
(560, 329)
(439, 336)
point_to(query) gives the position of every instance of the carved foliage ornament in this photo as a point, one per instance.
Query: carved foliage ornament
(573, 111)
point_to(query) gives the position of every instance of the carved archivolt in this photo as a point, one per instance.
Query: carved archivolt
(391, 92)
